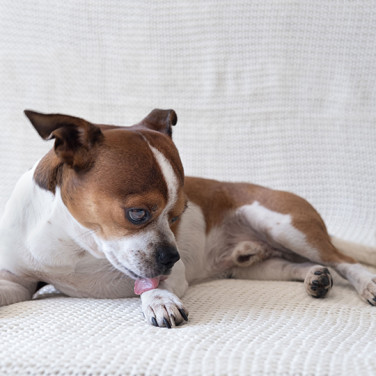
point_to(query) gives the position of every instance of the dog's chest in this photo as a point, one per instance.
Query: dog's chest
(192, 244)
(59, 257)
(43, 241)
(90, 278)
(59, 260)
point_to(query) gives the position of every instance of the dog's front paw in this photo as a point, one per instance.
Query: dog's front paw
(318, 281)
(163, 308)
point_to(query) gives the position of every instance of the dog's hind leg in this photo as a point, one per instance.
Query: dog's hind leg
(14, 289)
(296, 228)
(317, 279)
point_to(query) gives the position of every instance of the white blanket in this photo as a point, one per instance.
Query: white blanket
(280, 93)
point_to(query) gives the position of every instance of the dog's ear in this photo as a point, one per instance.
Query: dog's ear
(74, 137)
(160, 120)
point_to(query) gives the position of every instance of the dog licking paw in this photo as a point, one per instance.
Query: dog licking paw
(162, 308)
(318, 281)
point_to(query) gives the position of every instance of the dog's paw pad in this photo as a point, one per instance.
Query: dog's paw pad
(318, 281)
(162, 308)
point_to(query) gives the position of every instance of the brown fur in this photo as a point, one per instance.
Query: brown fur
(218, 199)
(101, 206)
(130, 177)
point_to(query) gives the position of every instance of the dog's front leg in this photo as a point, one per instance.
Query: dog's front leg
(162, 306)
(14, 289)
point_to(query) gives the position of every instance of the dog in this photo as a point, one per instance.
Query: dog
(108, 213)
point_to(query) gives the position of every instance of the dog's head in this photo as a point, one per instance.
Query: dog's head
(123, 183)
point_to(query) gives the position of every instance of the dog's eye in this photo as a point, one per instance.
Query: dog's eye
(173, 220)
(137, 216)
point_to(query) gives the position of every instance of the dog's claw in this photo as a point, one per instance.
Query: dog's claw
(154, 321)
(183, 314)
(167, 324)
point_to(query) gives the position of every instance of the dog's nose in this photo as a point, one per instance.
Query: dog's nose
(167, 255)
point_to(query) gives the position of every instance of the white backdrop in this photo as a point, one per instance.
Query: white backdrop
(280, 93)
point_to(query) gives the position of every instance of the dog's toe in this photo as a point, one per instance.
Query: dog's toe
(369, 293)
(162, 308)
(318, 281)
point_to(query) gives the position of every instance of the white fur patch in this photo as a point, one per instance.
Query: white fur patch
(169, 176)
(191, 240)
(356, 274)
(278, 227)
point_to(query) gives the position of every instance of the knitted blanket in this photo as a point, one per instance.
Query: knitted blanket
(279, 93)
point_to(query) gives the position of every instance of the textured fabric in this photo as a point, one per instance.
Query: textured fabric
(235, 328)
(280, 93)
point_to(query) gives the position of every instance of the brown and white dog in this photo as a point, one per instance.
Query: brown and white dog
(108, 214)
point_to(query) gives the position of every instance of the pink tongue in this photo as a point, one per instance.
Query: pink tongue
(145, 284)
